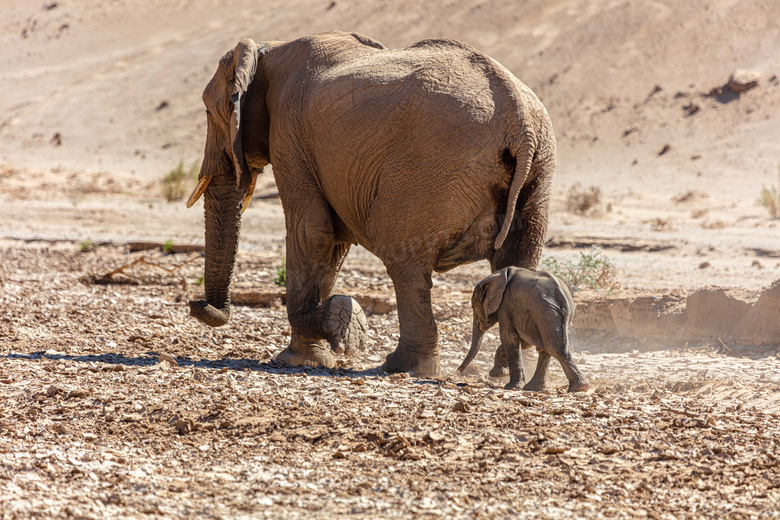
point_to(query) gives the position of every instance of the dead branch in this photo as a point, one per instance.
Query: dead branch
(109, 277)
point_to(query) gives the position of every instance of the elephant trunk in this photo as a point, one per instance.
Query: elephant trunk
(223, 204)
(476, 342)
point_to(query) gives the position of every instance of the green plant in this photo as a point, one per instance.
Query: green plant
(168, 247)
(86, 245)
(592, 271)
(179, 181)
(200, 281)
(281, 274)
(770, 198)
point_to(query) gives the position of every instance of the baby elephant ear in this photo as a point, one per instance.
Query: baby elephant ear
(495, 284)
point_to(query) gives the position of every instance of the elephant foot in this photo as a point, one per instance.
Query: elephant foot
(498, 372)
(578, 386)
(535, 386)
(419, 362)
(343, 324)
(513, 385)
(312, 354)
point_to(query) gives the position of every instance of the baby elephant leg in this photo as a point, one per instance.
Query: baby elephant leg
(577, 381)
(539, 380)
(556, 343)
(499, 363)
(516, 375)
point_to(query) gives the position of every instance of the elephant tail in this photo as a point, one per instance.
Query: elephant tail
(523, 157)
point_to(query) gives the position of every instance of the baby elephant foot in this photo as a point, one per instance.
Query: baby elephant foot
(498, 372)
(535, 386)
(511, 385)
(344, 325)
(580, 385)
(500, 364)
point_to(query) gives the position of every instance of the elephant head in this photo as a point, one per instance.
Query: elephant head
(485, 301)
(233, 96)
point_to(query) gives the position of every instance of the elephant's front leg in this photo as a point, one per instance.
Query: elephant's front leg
(500, 363)
(321, 324)
(418, 348)
(510, 344)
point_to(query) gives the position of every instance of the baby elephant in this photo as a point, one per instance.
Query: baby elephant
(531, 308)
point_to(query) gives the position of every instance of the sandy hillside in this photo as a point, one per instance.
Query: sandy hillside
(114, 403)
(98, 74)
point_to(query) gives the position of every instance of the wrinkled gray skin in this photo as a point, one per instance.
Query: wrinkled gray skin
(531, 308)
(416, 154)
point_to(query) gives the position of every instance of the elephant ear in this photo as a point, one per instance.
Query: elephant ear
(245, 59)
(493, 291)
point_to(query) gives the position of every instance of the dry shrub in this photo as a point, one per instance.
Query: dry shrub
(179, 181)
(661, 224)
(770, 198)
(714, 224)
(581, 200)
(689, 196)
(592, 271)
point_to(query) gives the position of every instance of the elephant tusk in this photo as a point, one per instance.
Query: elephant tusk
(249, 191)
(198, 191)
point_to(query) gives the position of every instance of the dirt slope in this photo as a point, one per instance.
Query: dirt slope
(120, 81)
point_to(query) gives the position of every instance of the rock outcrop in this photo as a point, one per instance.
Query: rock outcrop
(709, 314)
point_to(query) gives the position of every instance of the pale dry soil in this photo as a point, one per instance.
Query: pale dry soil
(113, 403)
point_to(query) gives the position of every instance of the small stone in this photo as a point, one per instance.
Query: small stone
(166, 358)
(434, 437)
(184, 426)
(460, 406)
(743, 80)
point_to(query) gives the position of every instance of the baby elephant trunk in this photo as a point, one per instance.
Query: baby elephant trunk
(476, 342)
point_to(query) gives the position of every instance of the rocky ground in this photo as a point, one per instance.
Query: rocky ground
(114, 403)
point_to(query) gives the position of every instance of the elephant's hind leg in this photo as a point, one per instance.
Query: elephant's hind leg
(538, 382)
(556, 342)
(313, 262)
(418, 348)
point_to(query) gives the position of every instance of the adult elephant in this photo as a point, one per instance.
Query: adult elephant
(429, 157)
